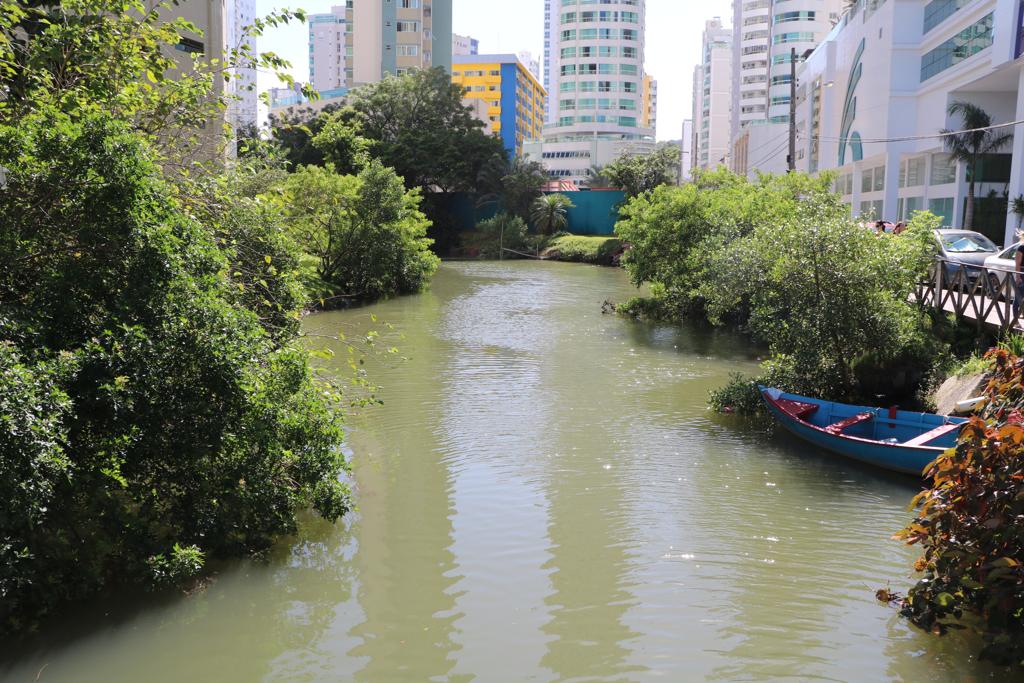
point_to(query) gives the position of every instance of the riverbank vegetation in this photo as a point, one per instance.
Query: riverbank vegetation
(968, 526)
(781, 258)
(157, 407)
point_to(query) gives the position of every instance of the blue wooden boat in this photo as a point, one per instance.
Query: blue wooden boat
(897, 440)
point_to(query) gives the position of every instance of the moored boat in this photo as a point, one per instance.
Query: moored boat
(898, 440)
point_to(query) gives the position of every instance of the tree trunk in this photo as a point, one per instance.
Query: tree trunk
(969, 212)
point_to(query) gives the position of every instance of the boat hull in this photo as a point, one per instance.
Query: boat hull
(895, 457)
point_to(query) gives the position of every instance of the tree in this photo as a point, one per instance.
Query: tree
(550, 213)
(639, 173)
(155, 407)
(340, 142)
(970, 145)
(295, 131)
(418, 125)
(514, 185)
(50, 52)
(366, 231)
(153, 411)
(781, 258)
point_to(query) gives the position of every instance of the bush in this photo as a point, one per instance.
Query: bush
(968, 524)
(502, 231)
(739, 395)
(366, 231)
(147, 399)
(584, 249)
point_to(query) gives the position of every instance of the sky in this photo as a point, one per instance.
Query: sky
(674, 30)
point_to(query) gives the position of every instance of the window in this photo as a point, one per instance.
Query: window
(798, 37)
(872, 179)
(912, 172)
(963, 45)
(409, 4)
(872, 209)
(943, 170)
(942, 208)
(408, 50)
(408, 26)
(937, 11)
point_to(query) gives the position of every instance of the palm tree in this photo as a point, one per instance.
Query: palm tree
(550, 213)
(1017, 207)
(970, 144)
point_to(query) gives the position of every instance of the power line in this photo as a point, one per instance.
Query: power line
(777, 151)
(911, 138)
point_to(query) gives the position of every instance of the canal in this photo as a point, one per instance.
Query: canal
(544, 496)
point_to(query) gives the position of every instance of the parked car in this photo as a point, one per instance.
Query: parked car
(1000, 266)
(964, 249)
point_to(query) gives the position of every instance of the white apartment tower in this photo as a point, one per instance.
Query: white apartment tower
(327, 55)
(361, 41)
(750, 30)
(712, 97)
(239, 16)
(799, 25)
(594, 64)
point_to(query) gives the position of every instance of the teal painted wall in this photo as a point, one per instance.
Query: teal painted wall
(594, 212)
(441, 17)
(389, 39)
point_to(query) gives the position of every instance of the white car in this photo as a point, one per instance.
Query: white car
(1001, 266)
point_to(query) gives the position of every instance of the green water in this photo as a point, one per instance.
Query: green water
(544, 497)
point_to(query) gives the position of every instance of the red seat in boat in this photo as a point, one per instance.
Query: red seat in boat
(797, 409)
(841, 426)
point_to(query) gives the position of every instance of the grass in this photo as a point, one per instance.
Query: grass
(975, 365)
(584, 249)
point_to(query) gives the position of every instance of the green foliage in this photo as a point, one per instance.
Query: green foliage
(117, 58)
(584, 249)
(295, 131)
(782, 258)
(366, 231)
(492, 235)
(151, 394)
(184, 563)
(636, 174)
(968, 525)
(674, 231)
(514, 185)
(739, 395)
(550, 213)
(418, 125)
(340, 142)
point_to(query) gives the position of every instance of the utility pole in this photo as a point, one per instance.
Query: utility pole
(792, 109)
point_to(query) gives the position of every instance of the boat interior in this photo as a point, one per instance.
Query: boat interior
(876, 424)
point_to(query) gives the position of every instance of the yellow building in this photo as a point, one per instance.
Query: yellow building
(649, 114)
(504, 95)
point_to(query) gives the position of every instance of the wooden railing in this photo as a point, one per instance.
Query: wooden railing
(983, 295)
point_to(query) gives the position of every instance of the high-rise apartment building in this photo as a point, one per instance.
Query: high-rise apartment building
(532, 63)
(327, 55)
(800, 26)
(686, 157)
(363, 40)
(464, 45)
(240, 15)
(712, 97)
(649, 117)
(594, 63)
(504, 95)
(751, 26)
